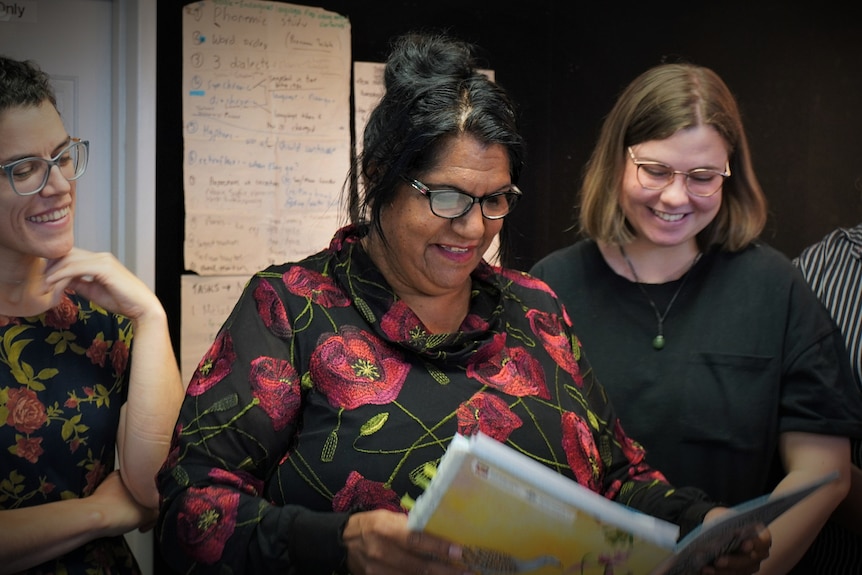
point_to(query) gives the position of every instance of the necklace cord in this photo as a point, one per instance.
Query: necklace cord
(658, 341)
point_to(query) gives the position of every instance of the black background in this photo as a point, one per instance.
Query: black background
(796, 72)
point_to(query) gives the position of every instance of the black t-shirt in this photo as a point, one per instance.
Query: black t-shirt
(749, 353)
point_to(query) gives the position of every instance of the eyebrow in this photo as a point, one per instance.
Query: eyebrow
(56, 149)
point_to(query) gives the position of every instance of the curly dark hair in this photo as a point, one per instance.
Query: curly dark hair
(23, 83)
(435, 91)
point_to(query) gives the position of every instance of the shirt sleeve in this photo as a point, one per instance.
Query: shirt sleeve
(236, 424)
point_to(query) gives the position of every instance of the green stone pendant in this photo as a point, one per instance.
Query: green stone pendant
(658, 342)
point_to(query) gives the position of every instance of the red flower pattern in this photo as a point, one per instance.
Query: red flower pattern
(173, 457)
(566, 318)
(635, 453)
(355, 368)
(271, 310)
(474, 322)
(315, 286)
(581, 451)
(119, 356)
(98, 351)
(29, 448)
(206, 522)
(512, 370)
(240, 479)
(550, 332)
(346, 235)
(26, 412)
(398, 321)
(633, 450)
(490, 349)
(275, 384)
(76, 342)
(95, 477)
(489, 414)
(215, 365)
(360, 494)
(524, 279)
(63, 315)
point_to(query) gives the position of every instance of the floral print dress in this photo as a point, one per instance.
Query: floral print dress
(63, 380)
(323, 394)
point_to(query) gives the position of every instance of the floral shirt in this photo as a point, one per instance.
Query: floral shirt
(63, 380)
(323, 394)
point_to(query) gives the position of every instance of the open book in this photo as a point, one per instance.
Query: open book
(515, 515)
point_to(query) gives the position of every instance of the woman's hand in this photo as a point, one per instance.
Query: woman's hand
(155, 387)
(101, 278)
(33, 535)
(379, 542)
(122, 512)
(746, 559)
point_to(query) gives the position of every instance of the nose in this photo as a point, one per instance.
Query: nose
(57, 182)
(676, 192)
(471, 224)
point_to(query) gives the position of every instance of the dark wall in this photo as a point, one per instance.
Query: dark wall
(797, 74)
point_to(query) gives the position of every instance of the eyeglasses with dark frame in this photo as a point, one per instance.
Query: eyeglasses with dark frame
(29, 176)
(450, 203)
(700, 182)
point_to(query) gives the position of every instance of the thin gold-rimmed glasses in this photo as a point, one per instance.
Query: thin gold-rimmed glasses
(700, 182)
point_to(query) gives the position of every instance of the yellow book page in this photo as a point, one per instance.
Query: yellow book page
(510, 527)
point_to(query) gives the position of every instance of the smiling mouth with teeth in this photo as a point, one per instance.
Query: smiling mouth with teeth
(669, 217)
(50, 217)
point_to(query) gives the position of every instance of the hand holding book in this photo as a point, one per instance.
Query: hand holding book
(514, 515)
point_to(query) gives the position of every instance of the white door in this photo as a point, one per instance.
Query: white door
(81, 44)
(71, 41)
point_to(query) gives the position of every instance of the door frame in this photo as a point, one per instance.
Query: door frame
(133, 172)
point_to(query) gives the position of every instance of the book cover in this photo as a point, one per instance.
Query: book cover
(703, 544)
(514, 515)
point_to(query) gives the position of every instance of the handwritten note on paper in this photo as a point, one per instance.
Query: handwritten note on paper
(206, 303)
(266, 92)
(367, 91)
(217, 253)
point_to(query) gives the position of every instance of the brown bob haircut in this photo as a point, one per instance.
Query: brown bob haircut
(657, 104)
